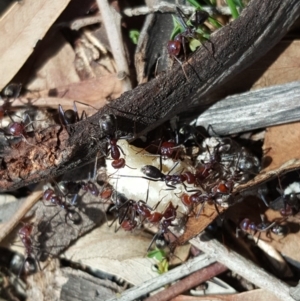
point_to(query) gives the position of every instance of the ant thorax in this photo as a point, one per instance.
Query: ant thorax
(128, 180)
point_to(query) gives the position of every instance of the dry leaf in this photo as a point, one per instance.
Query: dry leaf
(278, 66)
(288, 245)
(54, 66)
(95, 92)
(281, 145)
(23, 25)
(281, 154)
(121, 254)
(61, 283)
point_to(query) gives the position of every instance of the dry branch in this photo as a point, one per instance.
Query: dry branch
(253, 110)
(261, 25)
(185, 269)
(242, 266)
(189, 282)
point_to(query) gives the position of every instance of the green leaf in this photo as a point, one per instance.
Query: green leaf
(134, 36)
(163, 266)
(194, 44)
(157, 254)
(233, 10)
(177, 28)
(195, 4)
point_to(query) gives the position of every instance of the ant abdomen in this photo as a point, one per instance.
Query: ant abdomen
(17, 129)
(117, 164)
(152, 172)
(247, 225)
(174, 48)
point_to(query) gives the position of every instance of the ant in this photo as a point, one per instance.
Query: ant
(18, 129)
(109, 127)
(154, 174)
(211, 160)
(167, 149)
(71, 116)
(189, 135)
(25, 235)
(174, 46)
(49, 195)
(168, 216)
(288, 203)
(71, 189)
(247, 225)
(200, 198)
(126, 213)
(12, 90)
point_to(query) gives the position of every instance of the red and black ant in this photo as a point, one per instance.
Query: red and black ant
(126, 213)
(70, 189)
(11, 91)
(30, 258)
(49, 195)
(108, 126)
(168, 216)
(288, 202)
(249, 226)
(198, 198)
(174, 46)
(18, 129)
(154, 174)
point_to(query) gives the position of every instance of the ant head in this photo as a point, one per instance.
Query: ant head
(12, 90)
(70, 117)
(200, 17)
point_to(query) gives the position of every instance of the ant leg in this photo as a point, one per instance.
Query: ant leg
(61, 115)
(83, 115)
(183, 40)
(200, 210)
(261, 195)
(152, 241)
(85, 104)
(181, 64)
(120, 148)
(212, 130)
(217, 209)
(258, 237)
(76, 111)
(172, 187)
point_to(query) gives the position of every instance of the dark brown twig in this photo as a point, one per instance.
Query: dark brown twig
(189, 282)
